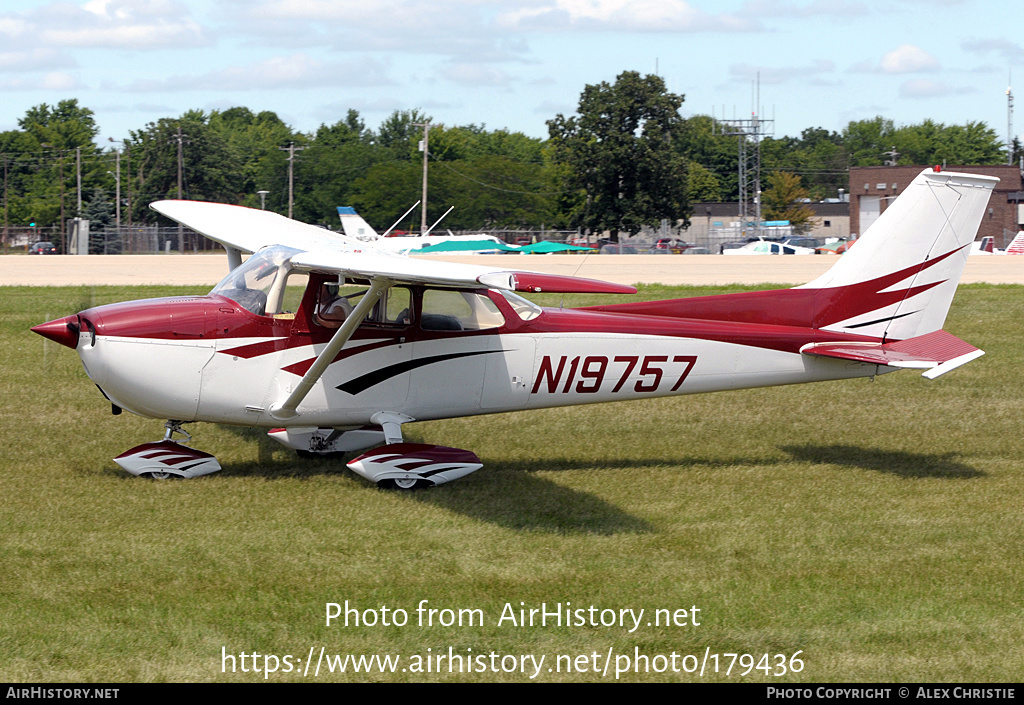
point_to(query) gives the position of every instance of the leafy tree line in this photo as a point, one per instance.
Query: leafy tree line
(626, 159)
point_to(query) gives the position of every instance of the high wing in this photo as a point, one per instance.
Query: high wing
(250, 230)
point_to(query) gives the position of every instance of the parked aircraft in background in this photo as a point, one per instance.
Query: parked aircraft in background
(379, 340)
(356, 227)
(986, 246)
(769, 247)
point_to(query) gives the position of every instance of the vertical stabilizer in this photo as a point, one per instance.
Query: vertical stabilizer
(354, 225)
(898, 281)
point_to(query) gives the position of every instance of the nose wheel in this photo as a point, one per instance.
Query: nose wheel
(168, 458)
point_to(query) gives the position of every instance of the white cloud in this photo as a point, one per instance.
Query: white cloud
(121, 24)
(838, 9)
(35, 60)
(1010, 52)
(908, 58)
(905, 58)
(277, 73)
(812, 74)
(623, 15)
(55, 81)
(475, 75)
(922, 88)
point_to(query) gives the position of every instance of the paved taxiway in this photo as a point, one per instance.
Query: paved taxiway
(207, 269)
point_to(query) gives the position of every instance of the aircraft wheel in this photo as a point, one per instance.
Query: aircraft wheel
(311, 455)
(159, 475)
(404, 483)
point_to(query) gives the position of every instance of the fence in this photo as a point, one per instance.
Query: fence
(139, 240)
(153, 239)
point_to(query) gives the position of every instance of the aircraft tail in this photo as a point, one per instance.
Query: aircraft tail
(898, 281)
(1016, 246)
(354, 225)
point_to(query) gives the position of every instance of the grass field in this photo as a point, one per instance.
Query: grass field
(873, 527)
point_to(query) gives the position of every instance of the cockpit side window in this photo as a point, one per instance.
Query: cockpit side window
(335, 303)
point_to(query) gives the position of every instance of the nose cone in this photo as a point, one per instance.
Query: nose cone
(63, 331)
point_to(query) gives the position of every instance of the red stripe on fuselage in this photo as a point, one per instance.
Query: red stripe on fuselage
(802, 308)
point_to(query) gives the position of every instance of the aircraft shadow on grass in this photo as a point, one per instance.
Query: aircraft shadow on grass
(899, 463)
(509, 496)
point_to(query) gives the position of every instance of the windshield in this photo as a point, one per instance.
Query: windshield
(527, 310)
(258, 284)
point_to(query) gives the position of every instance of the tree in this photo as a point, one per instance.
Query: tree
(66, 125)
(935, 143)
(211, 171)
(867, 140)
(325, 172)
(702, 185)
(702, 142)
(784, 200)
(399, 133)
(254, 139)
(99, 211)
(619, 155)
(817, 156)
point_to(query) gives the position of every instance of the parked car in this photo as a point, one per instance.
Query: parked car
(42, 248)
(674, 244)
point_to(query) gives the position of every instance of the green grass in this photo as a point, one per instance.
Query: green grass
(873, 526)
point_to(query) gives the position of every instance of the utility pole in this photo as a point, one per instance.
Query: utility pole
(425, 148)
(78, 178)
(117, 190)
(180, 139)
(128, 195)
(6, 231)
(291, 149)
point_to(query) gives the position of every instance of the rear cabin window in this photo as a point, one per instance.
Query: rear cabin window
(458, 310)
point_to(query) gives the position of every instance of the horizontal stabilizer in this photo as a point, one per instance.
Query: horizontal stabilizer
(937, 352)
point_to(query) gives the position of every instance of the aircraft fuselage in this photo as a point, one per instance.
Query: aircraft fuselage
(207, 358)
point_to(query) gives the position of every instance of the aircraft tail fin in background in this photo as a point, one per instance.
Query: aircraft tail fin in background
(899, 280)
(354, 225)
(1016, 246)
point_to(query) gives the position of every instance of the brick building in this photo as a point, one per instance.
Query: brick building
(872, 188)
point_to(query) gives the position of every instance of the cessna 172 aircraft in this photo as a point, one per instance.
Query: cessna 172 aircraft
(379, 340)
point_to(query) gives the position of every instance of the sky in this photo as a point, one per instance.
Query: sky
(512, 64)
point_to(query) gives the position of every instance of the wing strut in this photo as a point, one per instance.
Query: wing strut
(287, 409)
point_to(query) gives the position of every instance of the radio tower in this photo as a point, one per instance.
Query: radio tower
(1009, 121)
(749, 133)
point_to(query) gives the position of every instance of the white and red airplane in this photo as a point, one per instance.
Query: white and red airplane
(379, 340)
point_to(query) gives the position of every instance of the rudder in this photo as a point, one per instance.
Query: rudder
(900, 278)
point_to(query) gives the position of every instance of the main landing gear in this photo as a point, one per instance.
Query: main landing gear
(407, 466)
(168, 458)
(396, 465)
